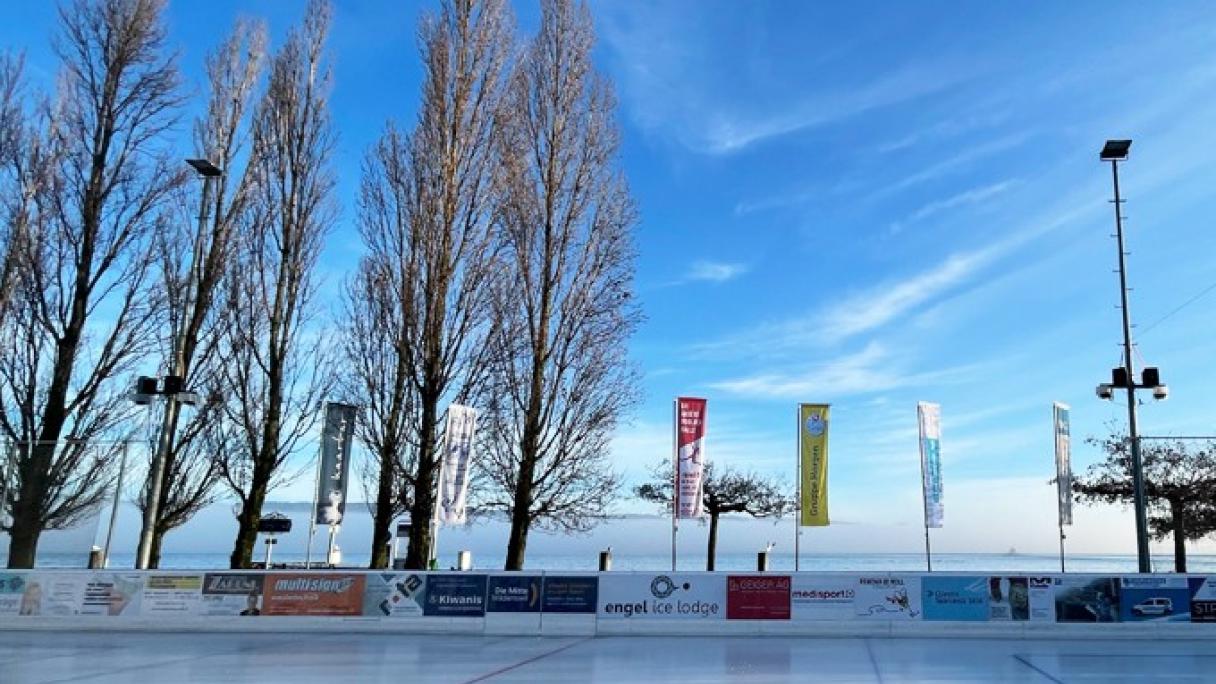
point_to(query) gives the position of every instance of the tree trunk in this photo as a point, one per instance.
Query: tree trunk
(247, 527)
(158, 539)
(712, 552)
(1178, 512)
(521, 519)
(423, 509)
(23, 540)
(382, 521)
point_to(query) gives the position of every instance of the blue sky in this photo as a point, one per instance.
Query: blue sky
(869, 204)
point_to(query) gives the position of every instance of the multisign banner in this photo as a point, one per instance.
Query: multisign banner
(930, 419)
(813, 455)
(690, 456)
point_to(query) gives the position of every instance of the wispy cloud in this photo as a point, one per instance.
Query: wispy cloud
(714, 271)
(965, 198)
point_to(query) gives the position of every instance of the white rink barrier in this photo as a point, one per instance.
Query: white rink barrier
(615, 603)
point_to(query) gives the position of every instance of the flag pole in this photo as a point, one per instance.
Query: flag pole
(675, 489)
(316, 494)
(798, 502)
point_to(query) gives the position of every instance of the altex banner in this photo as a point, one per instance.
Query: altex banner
(813, 458)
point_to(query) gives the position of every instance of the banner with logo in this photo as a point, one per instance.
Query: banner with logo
(823, 597)
(690, 456)
(575, 594)
(312, 594)
(929, 417)
(1087, 599)
(955, 598)
(459, 595)
(393, 595)
(758, 597)
(1203, 598)
(1154, 599)
(813, 455)
(882, 597)
(675, 596)
(1017, 599)
(457, 452)
(513, 594)
(1063, 462)
(176, 595)
(232, 593)
(336, 437)
(51, 594)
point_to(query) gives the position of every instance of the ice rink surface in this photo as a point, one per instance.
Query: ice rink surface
(233, 658)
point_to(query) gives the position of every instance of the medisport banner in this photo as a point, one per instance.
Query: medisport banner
(758, 597)
(823, 597)
(929, 416)
(457, 452)
(312, 594)
(1021, 599)
(955, 598)
(232, 593)
(575, 594)
(675, 596)
(813, 462)
(513, 594)
(690, 456)
(1154, 599)
(172, 595)
(1087, 599)
(336, 437)
(882, 597)
(394, 595)
(1060, 416)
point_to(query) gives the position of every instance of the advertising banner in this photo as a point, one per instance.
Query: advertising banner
(12, 589)
(1087, 599)
(313, 594)
(929, 416)
(172, 595)
(1203, 598)
(1016, 599)
(53, 594)
(457, 452)
(823, 597)
(959, 599)
(813, 455)
(232, 593)
(643, 596)
(758, 597)
(513, 594)
(887, 598)
(578, 594)
(112, 594)
(336, 436)
(1154, 599)
(690, 456)
(393, 595)
(1063, 462)
(455, 596)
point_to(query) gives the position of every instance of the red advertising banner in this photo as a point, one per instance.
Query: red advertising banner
(757, 597)
(690, 456)
(313, 594)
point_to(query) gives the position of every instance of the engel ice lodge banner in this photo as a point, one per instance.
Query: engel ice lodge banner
(690, 456)
(930, 461)
(813, 455)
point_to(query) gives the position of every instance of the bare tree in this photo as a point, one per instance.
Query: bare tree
(726, 491)
(1179, 484)
(425, 216)
(561, 380)
(271, 359)
(193, 260)
(85, 308)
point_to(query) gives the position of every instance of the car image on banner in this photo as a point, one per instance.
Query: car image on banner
(1160, 599)
(674, 596)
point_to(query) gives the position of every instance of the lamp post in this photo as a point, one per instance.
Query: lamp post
(1115, 151)
(173, 384)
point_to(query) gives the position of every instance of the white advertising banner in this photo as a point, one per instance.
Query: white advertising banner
(1060, 415)
(881, 597)
(457, 452)
(823, 597)
(930, 419)
(172, 594)
(394, 595)
(690, 457)
(671, 596)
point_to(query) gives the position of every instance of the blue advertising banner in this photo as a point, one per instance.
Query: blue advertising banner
(456, 595)
(513, 594)
(571, 594)
(1087, 599)
(1203, 599)
(956, 599)
(1165, 599)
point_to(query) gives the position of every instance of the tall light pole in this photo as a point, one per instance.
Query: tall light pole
(174, 383)
(1115, 151)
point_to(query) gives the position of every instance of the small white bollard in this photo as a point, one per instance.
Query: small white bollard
(464, 560)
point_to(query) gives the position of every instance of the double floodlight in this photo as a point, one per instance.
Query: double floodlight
(1150, 378)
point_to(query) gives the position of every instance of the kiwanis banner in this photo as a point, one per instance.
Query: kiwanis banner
(690, 456)
(1063, 462)
(457, 451)
(930, 416)
(813, 455)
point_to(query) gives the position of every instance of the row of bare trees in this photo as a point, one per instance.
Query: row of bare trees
(105, 274)
(497, 272)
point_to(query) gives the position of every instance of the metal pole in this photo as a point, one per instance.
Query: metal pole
(1142, 552)
(1061, 545)
(312, 515)
(333, 537)
(122, 471)
(675, 474)
(928, 551)
(798, 506)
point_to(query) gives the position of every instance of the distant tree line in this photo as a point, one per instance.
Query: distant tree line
(497, 271)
